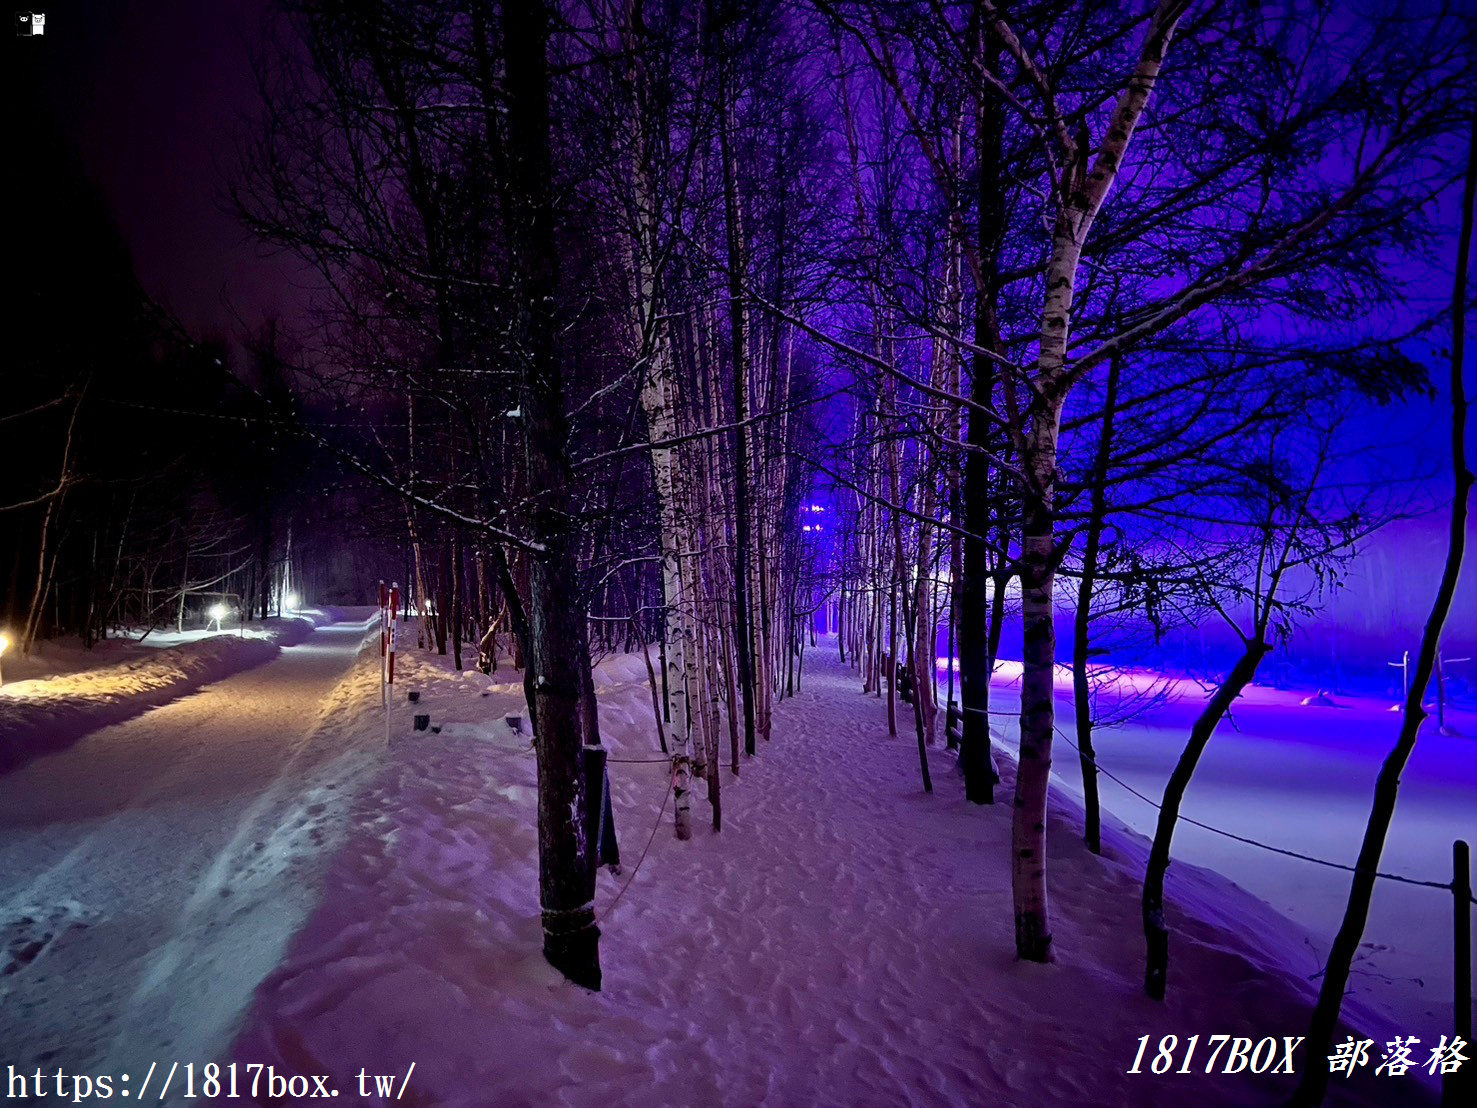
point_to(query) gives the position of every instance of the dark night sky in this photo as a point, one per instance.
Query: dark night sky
(153, 96)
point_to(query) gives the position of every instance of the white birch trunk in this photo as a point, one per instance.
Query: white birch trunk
(659, 405)
(1079, 197)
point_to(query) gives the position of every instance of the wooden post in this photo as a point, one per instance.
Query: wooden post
(1460, 1087)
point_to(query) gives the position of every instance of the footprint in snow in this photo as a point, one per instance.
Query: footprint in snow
(34, 930)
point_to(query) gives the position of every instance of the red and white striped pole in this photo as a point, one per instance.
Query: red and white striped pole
(384, 634)
(390, 640)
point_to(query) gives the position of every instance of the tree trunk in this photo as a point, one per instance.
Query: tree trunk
(1079, 197)
(1038, 703)
(1082, 706)
(1081, 638)
(739, 340)
(890, 664)
(184, 589)
(264, 555)
(978, 504)
(658, 403)
(456, 604)
(46, 556)
(1387, 785)
(557, 648)
(1156, 930)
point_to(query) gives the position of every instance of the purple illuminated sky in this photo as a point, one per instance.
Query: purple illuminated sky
(154, 94)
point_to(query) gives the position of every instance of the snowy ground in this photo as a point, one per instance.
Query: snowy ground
(846, 939)
(1301, 777)
(62, 692)
(273, 870)
(154, 869)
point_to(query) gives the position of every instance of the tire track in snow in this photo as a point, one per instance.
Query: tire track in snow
(142, 823)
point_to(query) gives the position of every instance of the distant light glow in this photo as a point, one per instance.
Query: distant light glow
(290, 601)
(4, 642)
(217, 612)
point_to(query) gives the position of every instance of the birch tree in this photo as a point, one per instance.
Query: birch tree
(1078, 195)
(1293, 524)
(652, 350)
(1314, 1082)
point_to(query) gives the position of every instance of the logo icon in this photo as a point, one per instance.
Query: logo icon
(28, 24)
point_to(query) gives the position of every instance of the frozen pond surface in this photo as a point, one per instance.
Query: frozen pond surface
(1302, 778)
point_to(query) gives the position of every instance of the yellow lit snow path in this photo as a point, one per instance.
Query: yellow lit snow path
(153, 870)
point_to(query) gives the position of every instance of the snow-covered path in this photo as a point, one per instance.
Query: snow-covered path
(152, 871)
(845, 940)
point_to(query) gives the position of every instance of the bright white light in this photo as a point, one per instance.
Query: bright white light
(218, 612)
(290, 601)
(4, 643)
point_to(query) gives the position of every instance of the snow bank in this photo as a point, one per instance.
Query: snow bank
(154, 873)
(1299, 777)
(49, 713)
(846, 939)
